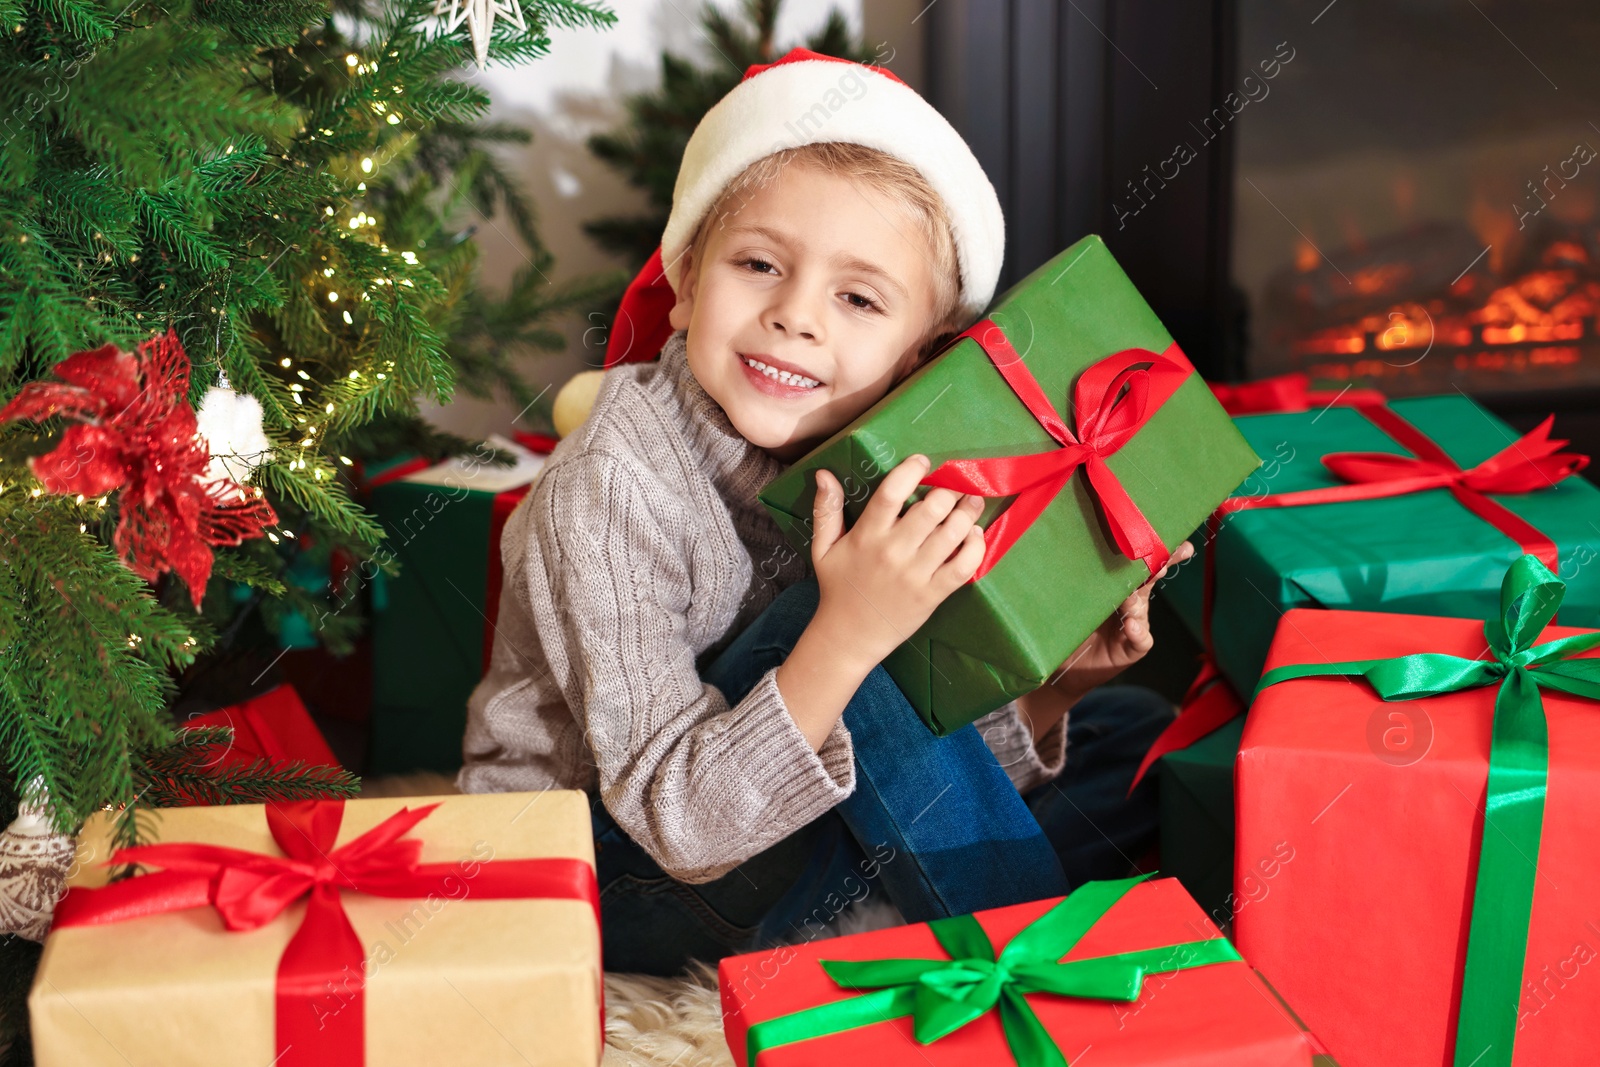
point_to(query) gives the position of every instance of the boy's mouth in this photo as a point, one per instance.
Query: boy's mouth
(778, 372)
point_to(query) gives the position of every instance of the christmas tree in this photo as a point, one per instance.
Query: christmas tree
(250, 207)
(648, 148)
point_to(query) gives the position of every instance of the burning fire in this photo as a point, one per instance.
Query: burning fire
(1539, 319)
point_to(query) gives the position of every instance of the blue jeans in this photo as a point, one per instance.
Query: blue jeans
(934, 822)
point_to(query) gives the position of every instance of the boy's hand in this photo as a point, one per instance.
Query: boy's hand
(1119, 642)
(881, 580)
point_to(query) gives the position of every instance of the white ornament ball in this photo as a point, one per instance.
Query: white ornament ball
(575, 399)
(34, 861)
(231, 424)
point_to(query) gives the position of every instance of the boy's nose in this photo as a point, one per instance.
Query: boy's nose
(795, 315)
(801, 331)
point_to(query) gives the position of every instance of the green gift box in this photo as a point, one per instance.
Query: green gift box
(1007, 633)
(1197, 819)
(431, 636)
(1421, 553)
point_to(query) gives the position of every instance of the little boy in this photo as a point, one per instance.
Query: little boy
(753, 767)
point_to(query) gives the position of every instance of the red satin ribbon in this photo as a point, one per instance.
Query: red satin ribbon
(1111, 402)
(1534, 461)
(1209, 704)
(1286, 393)
(324, 960)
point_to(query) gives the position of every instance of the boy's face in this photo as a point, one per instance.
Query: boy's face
(813, 275)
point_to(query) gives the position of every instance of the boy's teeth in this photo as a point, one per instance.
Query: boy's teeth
(782, 375)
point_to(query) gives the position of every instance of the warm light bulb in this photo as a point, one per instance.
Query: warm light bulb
(366, 165)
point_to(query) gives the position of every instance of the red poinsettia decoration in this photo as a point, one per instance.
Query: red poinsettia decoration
(132, 427)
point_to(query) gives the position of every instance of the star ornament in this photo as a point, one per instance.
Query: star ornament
(479, 16)
(130, 427)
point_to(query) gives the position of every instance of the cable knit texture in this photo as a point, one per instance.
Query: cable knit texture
(638, 556)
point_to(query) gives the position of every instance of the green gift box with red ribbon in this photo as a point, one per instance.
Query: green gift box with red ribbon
(1118, 973)
(1416, 506)
(1437, 780)
(1099, 449)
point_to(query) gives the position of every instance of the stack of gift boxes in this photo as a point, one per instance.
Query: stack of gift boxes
(1387, 754)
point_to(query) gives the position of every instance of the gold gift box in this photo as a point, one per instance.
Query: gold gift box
(449, 979)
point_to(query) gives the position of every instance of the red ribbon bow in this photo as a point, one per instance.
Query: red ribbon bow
(1533, 461)
(250, 889)
(1286, 393)
(1111, 402)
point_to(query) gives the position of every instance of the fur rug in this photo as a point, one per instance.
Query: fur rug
(656, 1022)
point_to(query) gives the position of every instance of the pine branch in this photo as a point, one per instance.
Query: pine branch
(192, 770)
(219, 167)
(325, 499)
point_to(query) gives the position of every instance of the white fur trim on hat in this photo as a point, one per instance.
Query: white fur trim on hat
(818, 101)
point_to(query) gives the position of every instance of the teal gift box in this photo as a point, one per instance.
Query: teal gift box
(1420, 553)
(432, 633)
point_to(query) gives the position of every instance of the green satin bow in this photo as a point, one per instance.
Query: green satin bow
(1508, 853)
(942, 996)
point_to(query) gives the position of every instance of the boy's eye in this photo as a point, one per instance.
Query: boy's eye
(865, 303)
(760, 266)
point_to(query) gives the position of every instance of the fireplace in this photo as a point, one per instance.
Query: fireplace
(1401, 193)
(1415, 195)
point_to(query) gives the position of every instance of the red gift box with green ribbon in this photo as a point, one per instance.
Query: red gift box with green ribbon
(1119, 973)
(1437, 779)
(1098, 448)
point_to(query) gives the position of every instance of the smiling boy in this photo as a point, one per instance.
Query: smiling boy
(744, 748)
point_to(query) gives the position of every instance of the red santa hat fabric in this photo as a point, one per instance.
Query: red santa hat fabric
(805, 98)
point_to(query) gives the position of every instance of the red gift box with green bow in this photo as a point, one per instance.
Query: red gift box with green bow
(1437, 779)
(1119, 973)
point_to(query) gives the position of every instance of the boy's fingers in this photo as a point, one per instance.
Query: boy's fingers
(943, 540)
(884, 506)
(964, 564)
(827, 514)
(1181, 554)
(923, 517)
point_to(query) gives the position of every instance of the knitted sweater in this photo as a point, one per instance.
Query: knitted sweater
(640, 553)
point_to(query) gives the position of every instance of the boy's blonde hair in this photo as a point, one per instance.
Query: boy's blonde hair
(892, 178)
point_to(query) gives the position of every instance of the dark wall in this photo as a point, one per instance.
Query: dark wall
(1067, 103)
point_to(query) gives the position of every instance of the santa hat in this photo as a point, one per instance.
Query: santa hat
(800, 100)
